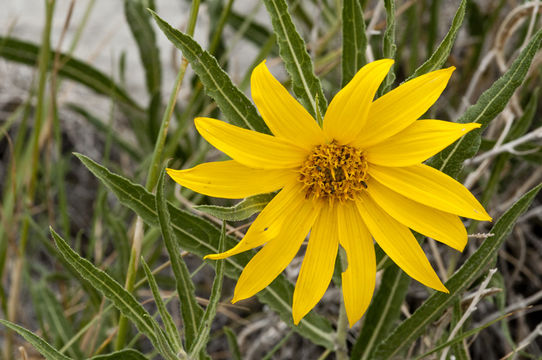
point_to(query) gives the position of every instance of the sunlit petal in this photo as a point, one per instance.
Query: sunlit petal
(417, 143)
(318, 264)
(250, 148)
(281, 112)
(271, 260)
(398, 243)
(231, 180)
(267, 224)
(358, 281)
(402, 106)
(347, 112)
(439, 225)
(431, 187)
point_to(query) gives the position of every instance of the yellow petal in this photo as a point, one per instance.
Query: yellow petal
(418, 142)
(347, 112)
(318, 264)
(398, 243)
(269, 262)
(358, 281)
(229, 179)
(250, 148)
(267, 224)
(431, 187)
(281, 112)
(439, 225)
(402, 106)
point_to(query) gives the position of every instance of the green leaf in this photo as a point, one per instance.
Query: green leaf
(410, 329)
(210, 312)
(381, 315)
(488, 106)
(171, 332)
(389, 47)
(41, 345)
(354, 40)
(241, 211)
(28, 53)
(294, 53)
(200, 237)
(235, 353)
(139, 21)
(190, 309)
(236, 107)
(122, 299)
(439, 57)
(128, 354)
(162, 344)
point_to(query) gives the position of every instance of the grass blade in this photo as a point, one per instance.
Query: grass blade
(236, 107)
(298, 63)
(210, 312)
(190, 309)
(488, 106)
(201, 238)
(41, 345)
(354, 40)
(409, 330)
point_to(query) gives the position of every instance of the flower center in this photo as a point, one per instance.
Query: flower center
(334, 171)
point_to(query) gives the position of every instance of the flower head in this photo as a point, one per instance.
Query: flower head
(360, 177)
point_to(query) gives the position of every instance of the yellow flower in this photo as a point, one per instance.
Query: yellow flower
(359, 177)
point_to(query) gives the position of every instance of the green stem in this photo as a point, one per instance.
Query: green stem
(152, 179)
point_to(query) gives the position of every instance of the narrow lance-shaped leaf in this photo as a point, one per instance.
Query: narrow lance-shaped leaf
(171, 333)
(191, 312)
(488, 106)
(200, 237)
(388, 45)
(236, 107)
(122, 299)
(27, 53)
(41, 345)
(439, 57)
(162, 344)
(410, 329)
(354, 40)
(241, 211)
(139, 21)
(210, 312)
(294, 53)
